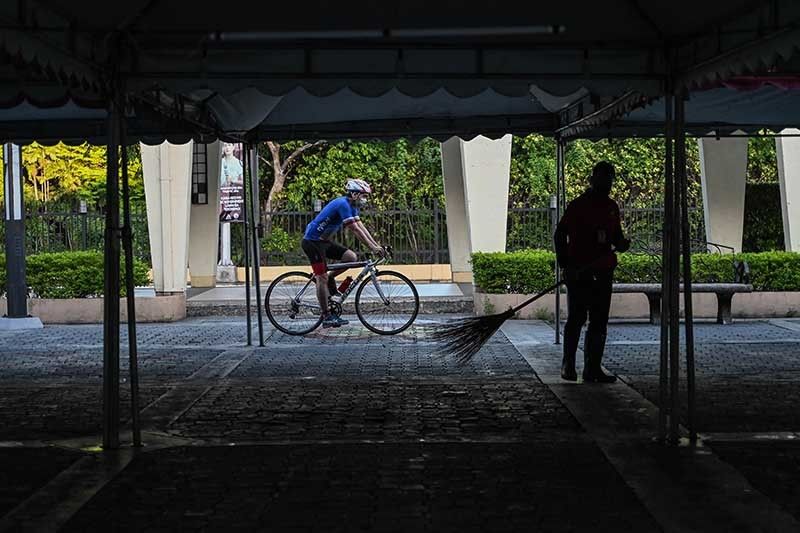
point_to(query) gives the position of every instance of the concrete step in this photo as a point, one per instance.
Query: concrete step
(428, 305)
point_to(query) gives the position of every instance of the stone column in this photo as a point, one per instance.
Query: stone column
(723, 169)
(476, 175)
(788, 152)
(204, 227)
(167, 172)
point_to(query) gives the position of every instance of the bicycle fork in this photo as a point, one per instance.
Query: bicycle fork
(378, 289)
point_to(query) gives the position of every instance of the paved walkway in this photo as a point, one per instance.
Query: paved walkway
(345, 430)
(236, 293)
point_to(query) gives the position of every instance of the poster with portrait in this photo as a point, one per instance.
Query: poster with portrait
(231, 183)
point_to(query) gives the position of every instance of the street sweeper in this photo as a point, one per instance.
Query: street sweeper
(586, 239)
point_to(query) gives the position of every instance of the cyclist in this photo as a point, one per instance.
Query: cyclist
(341, 212)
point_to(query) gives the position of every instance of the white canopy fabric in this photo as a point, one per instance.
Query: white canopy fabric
(298, 114)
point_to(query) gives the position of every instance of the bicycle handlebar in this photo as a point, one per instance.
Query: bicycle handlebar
(384, 258)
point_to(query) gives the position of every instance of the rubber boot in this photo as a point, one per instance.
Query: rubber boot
(594, 346)
(568, 371)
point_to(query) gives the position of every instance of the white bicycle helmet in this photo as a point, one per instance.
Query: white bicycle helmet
(355, 185)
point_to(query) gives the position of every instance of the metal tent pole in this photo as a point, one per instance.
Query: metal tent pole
(666, 237)
(253, 177)
(674, 290)
(130, 296)
(681, 178)
(246, 240)
(111, 286)
(559, 194)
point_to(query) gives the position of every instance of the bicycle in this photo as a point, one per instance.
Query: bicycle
(386, 302)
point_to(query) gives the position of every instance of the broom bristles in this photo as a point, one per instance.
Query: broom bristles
(463, 338)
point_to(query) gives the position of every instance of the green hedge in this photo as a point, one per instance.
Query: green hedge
(531, 271)
(69, 274)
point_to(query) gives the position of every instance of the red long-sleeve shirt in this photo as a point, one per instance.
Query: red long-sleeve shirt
(590, 226)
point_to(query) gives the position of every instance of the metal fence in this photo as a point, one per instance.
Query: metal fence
(417, 235)
(61, 231)
(533, 227)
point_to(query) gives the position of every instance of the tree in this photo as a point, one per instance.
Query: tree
(282, 165)
(57, 177)
(762, 162)
(57, 173)
(401, 173)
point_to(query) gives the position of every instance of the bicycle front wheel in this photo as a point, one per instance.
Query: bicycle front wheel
(388, 303)
(291, 303)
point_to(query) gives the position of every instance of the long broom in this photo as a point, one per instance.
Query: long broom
(463, 338)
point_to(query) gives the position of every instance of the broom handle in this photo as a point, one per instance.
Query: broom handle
(557, 285)
(538, 295)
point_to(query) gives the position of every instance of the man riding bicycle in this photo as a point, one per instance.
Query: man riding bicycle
(342, 211)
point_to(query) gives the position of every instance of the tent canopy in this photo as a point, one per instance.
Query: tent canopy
(370, 69)
(719, 111)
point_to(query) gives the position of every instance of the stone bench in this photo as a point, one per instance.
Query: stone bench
(724, 292)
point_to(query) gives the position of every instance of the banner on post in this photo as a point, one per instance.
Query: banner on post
(231, 184)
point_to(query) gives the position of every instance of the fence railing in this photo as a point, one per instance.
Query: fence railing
(61, 231)
(417, 235)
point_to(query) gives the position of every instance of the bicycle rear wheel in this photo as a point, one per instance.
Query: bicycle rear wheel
(388, 304)
(291, 303)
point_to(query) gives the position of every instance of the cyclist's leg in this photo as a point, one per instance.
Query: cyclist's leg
(339, 253)
(315, 250)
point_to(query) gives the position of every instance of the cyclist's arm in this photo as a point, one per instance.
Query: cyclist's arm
(364, 235)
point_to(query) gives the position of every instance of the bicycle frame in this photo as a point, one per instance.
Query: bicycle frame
(368, 268)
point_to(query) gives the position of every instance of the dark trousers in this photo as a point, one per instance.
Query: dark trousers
(588, 294)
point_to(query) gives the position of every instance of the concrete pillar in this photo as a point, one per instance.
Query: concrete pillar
(167, 172)
(476, 175)
(723, 169)
(788, 152)
(204, 227)
(458, 239)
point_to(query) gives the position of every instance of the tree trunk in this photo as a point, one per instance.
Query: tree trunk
(280, 171)
(279, 178)
(277, 187)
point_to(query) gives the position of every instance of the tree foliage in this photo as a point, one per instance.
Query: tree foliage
(401, 172)
(59, 176)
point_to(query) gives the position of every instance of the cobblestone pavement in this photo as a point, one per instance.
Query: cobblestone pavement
(748, 373)
(25, 470)
(338, 430)
(771, 467)
(346, 430)
(532, 486)
(748, 381)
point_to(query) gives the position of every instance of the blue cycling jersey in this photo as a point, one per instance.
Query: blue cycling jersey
(333, 216)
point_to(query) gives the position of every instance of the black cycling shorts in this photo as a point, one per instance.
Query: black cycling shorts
(319, 251)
